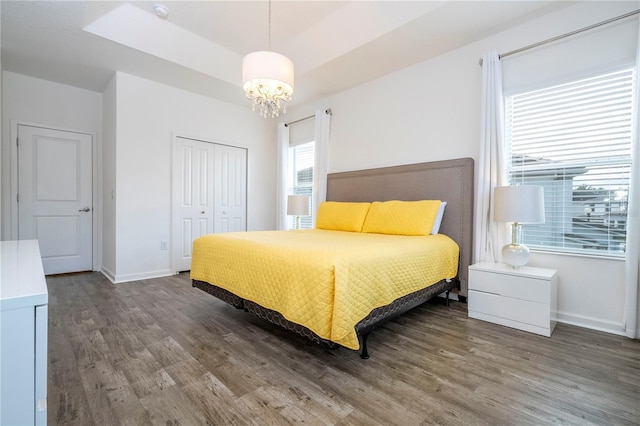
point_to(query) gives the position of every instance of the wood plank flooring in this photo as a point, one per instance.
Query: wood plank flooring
(161, 352)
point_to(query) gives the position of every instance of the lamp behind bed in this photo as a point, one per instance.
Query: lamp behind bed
(298, 205)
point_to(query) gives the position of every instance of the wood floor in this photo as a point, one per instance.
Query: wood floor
(161, 352)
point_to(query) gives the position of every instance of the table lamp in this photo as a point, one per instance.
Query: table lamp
(298, 205)
(518, 204)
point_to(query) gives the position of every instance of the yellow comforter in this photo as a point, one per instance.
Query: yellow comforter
(324, 280)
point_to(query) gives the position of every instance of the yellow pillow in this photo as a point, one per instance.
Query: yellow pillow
(401, 217)
(338, 216)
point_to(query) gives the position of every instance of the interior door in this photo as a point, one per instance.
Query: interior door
(209, 193)
(230, 195)
(55, 196)
(195, 196)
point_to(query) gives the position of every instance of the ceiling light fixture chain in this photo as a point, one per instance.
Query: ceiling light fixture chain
(267, 79)
(269, 24)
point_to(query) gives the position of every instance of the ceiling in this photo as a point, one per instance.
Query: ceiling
(199, 47)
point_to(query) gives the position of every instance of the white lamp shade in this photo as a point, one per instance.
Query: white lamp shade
(522, 204)
(265, 65)
(298, 205)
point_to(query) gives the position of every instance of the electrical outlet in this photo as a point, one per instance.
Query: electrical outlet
(163, 245)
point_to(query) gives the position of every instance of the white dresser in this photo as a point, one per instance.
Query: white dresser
(23, 334)
(524, 298)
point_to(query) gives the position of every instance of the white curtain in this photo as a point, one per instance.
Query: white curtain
(321, 166)
(490, 236)
(632, 328)
(323, 126)
(281, 188)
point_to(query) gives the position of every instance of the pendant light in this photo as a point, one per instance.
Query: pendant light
(267, 79)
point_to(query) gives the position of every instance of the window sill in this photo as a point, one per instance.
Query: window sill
(583, 255)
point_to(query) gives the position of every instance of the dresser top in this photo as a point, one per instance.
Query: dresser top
(526, 271)
(22, 281)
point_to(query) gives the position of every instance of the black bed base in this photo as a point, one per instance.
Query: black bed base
(375, 318)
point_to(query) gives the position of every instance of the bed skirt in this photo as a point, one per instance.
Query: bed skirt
(375, 318)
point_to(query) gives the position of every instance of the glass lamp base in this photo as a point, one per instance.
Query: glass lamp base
(515, 255)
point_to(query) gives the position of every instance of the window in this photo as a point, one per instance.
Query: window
(300, 177)
(574, 139)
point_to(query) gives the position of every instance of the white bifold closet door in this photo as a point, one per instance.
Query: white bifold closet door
(210, 194)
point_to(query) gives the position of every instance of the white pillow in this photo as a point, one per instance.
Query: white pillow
(436, 224)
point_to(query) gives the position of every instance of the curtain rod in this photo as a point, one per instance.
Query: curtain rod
(560, 37)
(326, 111)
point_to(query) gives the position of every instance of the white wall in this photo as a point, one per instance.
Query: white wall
(431, 111)
(108, 163)
(141, 118)
(35, 101)
(148, 115)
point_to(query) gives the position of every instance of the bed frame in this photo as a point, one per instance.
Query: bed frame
(448, 180)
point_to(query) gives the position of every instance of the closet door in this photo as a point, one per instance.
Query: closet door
(193, 197)
(230, 189)
(209, 194)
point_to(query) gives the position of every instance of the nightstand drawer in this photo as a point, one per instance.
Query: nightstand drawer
(533, 313)
(519, 287)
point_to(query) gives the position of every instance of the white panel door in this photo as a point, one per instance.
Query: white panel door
(230, 194)
(55, 184)
(209, 194)
(193, 182)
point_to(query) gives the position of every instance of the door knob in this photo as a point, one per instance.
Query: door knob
(86, 209)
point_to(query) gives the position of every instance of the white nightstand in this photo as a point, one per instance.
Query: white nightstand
(524, 298)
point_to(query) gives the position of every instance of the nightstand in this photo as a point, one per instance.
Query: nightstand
(524, 298)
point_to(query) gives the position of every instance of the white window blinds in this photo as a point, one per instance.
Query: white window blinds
(301, 163)
(574, 139)
(302, 132)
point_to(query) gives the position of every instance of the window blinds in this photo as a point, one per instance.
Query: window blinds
(575, 140)
(303, 131)
(301, 163)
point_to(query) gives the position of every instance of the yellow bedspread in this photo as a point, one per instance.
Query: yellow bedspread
(324, 280)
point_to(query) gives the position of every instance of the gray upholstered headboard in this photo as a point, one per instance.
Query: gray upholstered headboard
(448, 180)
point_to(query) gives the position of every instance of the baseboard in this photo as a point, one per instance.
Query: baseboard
(119, 279)
(591, 323)
(107, 273)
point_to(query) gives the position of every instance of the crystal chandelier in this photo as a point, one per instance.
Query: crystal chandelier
(267, 79)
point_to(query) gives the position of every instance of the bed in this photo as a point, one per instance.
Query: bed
(349, 281)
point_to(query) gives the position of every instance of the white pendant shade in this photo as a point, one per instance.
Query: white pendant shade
(264, 65)
(267, 79)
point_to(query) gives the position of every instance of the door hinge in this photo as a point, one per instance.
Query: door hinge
(18, 197)
(17, 142)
